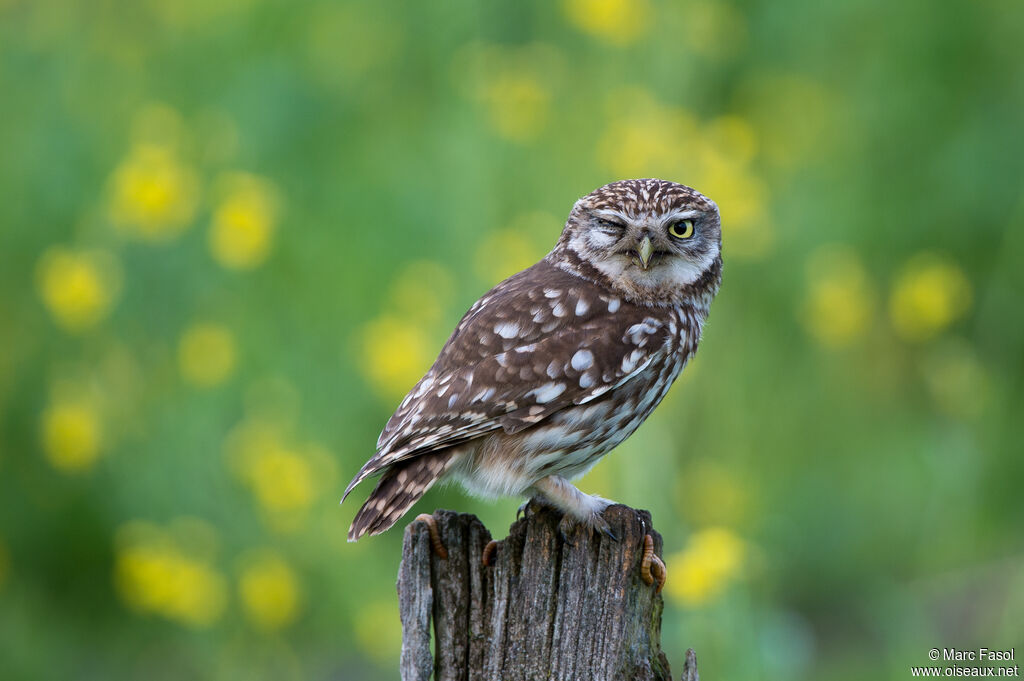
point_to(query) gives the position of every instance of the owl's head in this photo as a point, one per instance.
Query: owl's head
(651, 240)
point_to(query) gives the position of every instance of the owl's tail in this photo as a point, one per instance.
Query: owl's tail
(399, 488)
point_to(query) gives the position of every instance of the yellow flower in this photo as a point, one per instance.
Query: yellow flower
(154, 574)
(244, 222)
(154, 195)
(71, 434)
(929, 294)
(282, 480)
(206, 354)
(285, 478)
(517, 105)
(396, 354)
(269, 592)
(701, 572)
(619, 22)
(379, 632)
(837, 306)
(513, 85)
(78, 287)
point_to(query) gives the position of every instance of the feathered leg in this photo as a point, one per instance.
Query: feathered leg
(399, 488)
(579, 508)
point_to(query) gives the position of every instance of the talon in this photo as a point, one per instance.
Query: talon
(435, 536)
(488, 553)
(528, 507)
(608, 533)
(652, 568)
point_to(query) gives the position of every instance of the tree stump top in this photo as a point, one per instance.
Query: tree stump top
(545, 607)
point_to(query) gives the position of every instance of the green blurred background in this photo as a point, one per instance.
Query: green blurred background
(235, 232)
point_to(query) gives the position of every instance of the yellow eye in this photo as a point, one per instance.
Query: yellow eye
(681, 230)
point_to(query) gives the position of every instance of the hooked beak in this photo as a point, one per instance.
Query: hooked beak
(645, 251)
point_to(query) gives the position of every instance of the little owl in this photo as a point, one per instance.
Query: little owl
(558, 364)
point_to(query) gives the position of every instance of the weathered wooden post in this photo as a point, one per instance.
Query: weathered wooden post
(543, 607)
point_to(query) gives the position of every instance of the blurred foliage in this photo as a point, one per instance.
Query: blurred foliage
(235, 232)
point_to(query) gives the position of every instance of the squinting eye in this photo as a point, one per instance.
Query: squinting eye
(681, 230)
(609, 224)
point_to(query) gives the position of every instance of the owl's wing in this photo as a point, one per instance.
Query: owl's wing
(539, 342)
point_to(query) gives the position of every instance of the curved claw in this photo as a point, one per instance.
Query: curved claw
(652, 568)
(527, 507)
(569, 525)
(435, 536)
(488, 554)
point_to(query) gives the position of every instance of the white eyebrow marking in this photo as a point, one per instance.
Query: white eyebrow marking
(688, 214)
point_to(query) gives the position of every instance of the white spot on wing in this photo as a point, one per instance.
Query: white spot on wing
(507, 329)
(581, 307)
(483, 395)
(613, 305)
(548, 392)
(582, 360)
(629, 362)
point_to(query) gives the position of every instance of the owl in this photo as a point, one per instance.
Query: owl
(558, 364)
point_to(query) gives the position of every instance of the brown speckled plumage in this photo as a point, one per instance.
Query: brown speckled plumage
(561, 362)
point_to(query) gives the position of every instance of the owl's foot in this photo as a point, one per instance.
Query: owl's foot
(435, 536)
(595, 523)
(580, 509)
(529, 507)
(652, 568)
